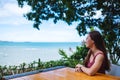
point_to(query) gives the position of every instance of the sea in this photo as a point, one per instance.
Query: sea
(16, 53)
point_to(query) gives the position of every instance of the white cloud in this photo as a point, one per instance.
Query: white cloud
(11, 8)
(15, 10)
(51, 33)
(12, 14)
(14, 27)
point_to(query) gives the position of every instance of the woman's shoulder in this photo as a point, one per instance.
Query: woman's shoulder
(99, 54)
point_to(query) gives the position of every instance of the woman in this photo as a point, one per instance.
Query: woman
(96, 59)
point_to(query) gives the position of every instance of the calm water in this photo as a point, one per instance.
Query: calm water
(15, 53)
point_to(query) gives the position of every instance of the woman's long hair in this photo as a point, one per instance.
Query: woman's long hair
(99, 43)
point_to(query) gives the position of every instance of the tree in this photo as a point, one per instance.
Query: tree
(82, 11)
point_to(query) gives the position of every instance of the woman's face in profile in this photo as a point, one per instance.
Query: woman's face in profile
(89, 42)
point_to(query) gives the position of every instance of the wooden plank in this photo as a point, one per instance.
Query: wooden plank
(66, 74)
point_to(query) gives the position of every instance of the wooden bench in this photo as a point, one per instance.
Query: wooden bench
(59, 73)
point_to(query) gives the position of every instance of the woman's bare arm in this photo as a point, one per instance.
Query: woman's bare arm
(95, 67)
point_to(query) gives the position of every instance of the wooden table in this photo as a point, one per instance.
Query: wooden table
(65, 73)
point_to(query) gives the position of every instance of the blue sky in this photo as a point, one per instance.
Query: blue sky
(15, 27)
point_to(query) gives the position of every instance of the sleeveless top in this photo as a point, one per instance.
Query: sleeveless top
(102, 68)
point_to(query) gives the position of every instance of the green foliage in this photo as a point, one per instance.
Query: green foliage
(68, 11)
(80, 53)
(81, 11)
(68, 61)
(35, 65)
(77, 57)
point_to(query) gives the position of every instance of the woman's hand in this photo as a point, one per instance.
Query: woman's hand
(78, 68)
(79, 65)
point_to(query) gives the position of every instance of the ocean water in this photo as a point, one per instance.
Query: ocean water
(15, 53)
